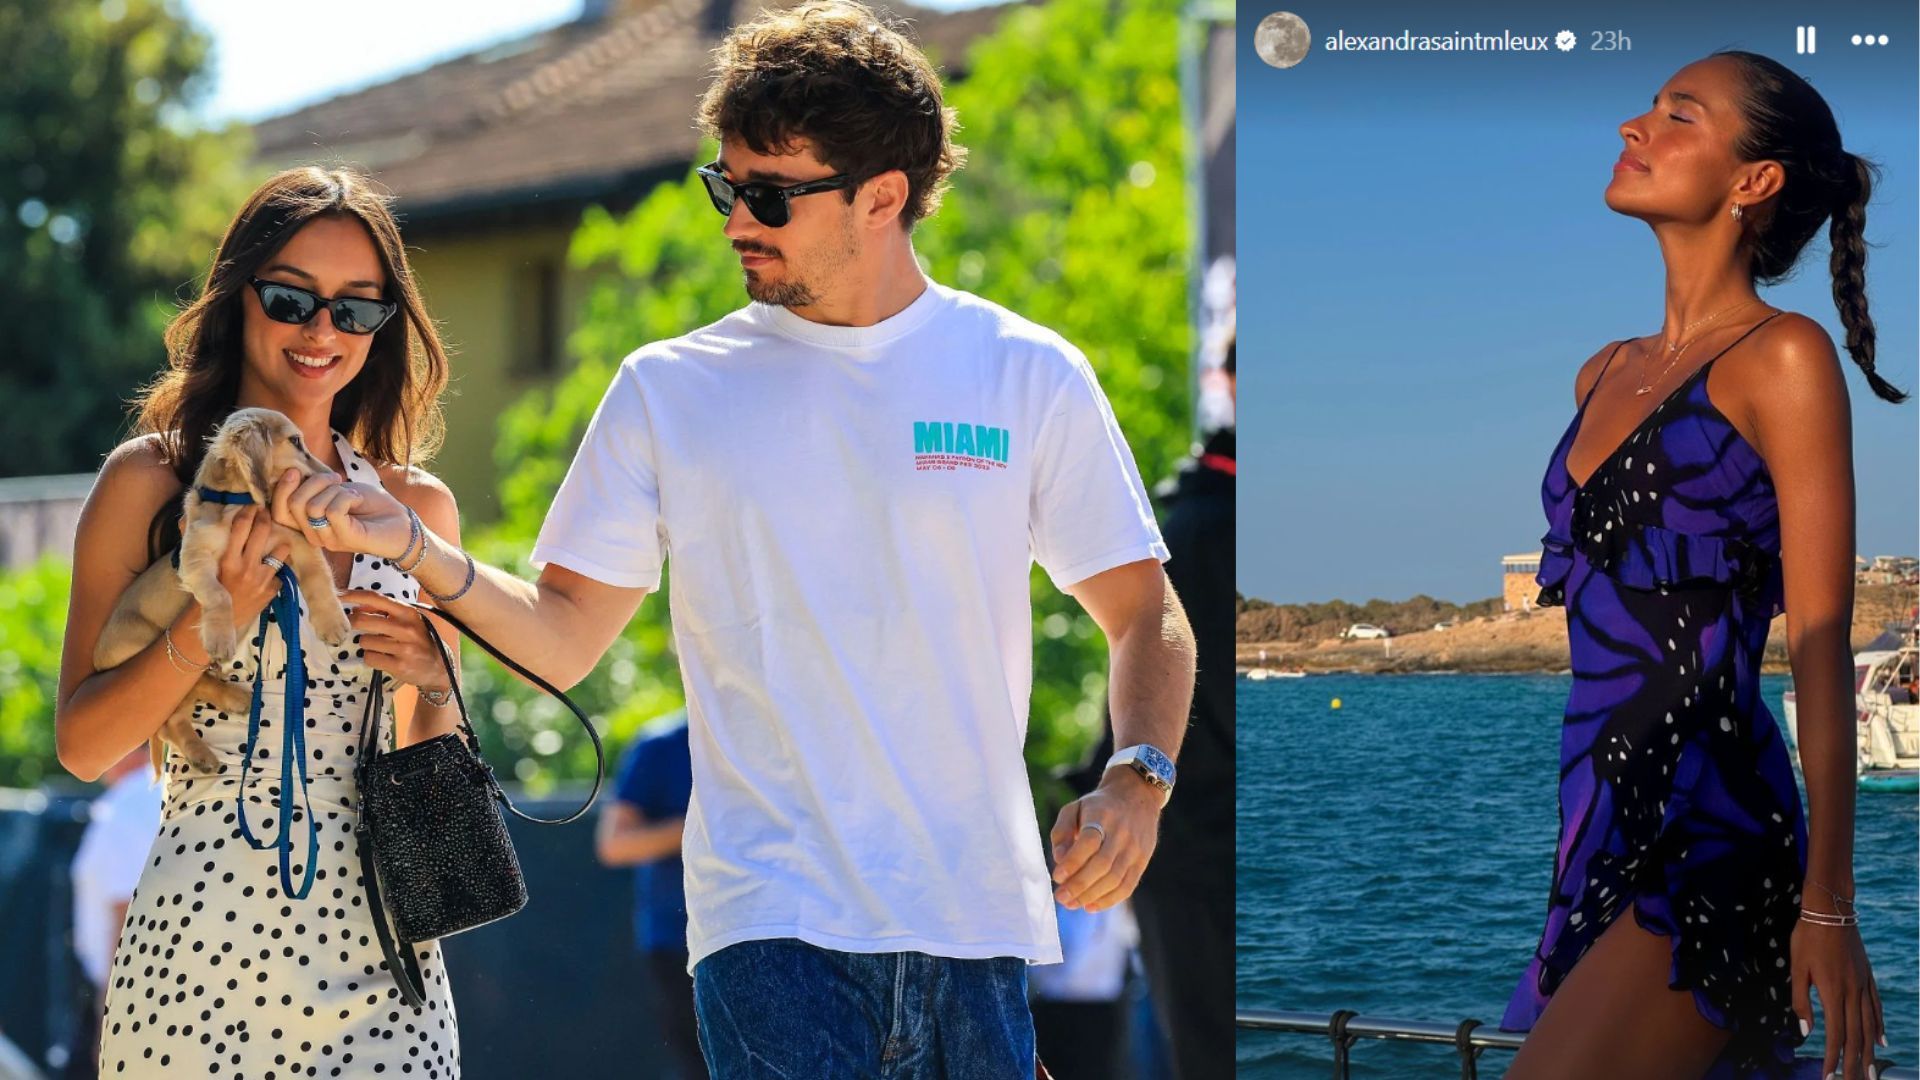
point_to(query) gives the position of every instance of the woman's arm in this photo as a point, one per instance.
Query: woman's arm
(1802, 425)
(100, 716)
(399, 645)
(1795, 397)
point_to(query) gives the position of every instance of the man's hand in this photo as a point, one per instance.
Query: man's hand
(1102, 841)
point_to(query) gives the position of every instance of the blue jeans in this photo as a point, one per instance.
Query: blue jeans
(786, 1009)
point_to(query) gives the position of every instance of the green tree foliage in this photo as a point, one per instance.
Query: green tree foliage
(110, 206)
(1072, 212)
(33, 619)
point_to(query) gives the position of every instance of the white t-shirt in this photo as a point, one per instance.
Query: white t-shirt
(121, 825)
(852, 513)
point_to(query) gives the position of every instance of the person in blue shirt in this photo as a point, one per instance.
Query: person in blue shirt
(640, 827)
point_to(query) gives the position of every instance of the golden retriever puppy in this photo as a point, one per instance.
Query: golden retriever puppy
(249, 452)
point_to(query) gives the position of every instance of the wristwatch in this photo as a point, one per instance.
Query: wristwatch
(1153, 766)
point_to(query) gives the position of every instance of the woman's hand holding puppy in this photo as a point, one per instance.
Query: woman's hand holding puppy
(244, 573)
(249, 578)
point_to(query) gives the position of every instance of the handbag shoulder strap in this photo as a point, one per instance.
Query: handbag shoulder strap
(466, 725)
(400, 960)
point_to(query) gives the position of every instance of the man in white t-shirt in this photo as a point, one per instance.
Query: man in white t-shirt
(851, 478)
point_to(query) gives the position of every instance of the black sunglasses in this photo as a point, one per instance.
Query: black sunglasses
(294, 305)
(770, 204)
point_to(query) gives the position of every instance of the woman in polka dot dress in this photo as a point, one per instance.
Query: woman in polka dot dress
(1702, 488)
(223, 969)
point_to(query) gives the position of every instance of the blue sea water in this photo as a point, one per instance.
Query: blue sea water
(1395, 856)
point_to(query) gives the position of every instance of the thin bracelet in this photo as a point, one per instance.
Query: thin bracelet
(1828, 918)
(443, 601)
(416, 534)
(176, 657)
(437, 698)
(1837, 898)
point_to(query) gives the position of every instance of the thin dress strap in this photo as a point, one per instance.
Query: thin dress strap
(1603, 374)
(1748, 333)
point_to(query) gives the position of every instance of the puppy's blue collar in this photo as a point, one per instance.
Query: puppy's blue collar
(228, 498)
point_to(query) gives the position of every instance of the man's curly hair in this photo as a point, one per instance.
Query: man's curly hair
(835, 73)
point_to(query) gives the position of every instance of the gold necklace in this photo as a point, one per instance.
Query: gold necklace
(1676, 351)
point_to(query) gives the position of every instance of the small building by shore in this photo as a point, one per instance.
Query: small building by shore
(1886, 570)
(1517, 585)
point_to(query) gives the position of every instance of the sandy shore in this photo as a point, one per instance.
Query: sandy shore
(1517, 642)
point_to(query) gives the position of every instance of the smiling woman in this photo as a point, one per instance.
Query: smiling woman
(223, 967)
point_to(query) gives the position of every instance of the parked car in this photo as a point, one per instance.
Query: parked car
(1446, 624)
(1364, 632)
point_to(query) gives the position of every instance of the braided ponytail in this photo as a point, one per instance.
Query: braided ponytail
(1787, 121)
(1846, 236)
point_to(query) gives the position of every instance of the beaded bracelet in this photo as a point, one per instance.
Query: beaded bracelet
(416, 534)
(443, 601)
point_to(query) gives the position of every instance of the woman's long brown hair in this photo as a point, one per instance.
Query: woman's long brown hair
(390, 411)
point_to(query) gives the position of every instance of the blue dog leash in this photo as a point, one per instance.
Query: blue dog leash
(293, 740)
(285, 611)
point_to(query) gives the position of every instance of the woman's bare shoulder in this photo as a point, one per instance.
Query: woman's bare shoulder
(134, 483)
(428, 495)
(139, 469)
(1793, 345)
(1783, 374)
(1590, 371)
(414, 485)
(1791, 354)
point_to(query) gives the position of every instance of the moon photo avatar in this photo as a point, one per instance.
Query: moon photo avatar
(1282, 39)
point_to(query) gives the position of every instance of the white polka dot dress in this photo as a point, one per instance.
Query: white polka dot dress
(218, 972)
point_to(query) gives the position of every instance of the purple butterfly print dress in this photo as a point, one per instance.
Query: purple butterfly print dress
(1677, 798)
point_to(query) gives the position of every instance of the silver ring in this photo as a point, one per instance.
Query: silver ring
(1095, 826)
(318, 522)
(273, 562)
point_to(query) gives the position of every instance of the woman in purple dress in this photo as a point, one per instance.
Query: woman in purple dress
(1705, 485)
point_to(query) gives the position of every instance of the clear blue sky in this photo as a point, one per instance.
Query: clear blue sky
(348, 44)
(1425, 260)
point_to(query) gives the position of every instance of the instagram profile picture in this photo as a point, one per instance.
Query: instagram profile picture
(1282, 39)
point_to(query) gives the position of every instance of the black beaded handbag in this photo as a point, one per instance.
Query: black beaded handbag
(433, 841)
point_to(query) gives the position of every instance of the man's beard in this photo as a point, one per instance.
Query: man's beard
(794, 292)
(786, 294)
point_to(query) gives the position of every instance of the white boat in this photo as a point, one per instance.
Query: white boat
(1887, 703)
(1261, 674)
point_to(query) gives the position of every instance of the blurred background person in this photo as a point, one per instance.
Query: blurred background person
(640, 826)
(1184, 908)
(1185, 901)
(1079, 1004)
(121, 825)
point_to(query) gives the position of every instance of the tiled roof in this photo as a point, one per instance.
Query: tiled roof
(589, 109)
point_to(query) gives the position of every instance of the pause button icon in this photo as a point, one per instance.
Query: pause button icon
(1803, 41)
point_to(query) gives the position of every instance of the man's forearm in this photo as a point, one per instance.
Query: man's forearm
(1150, 679)
(520, 618)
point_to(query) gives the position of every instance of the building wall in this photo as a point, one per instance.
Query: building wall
(506, 302)
(1518, 586)
(39, 516)
(1517, 591)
